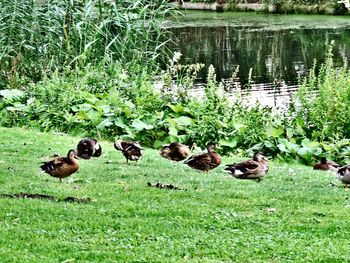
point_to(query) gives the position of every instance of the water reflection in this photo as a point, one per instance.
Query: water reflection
(273, 55)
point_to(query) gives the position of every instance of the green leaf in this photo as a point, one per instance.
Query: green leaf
(90, 98)
(94, 116)
(129, 104)
(231, 144)
(178, 108)
(283, 148)
(82, 115)
(10, 94)
(299, 129)
(290, 133)
(120, 122)
(304, 152)
(309, 144)
(172, 130)
(271, 131)
(105, 123)
(140, 125)
(239, 126)
(75, 108)
(269, 145)
(183, 121)
(84, 107)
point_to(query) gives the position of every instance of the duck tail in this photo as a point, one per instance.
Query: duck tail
(188, 160)
(118, 146)
(98, 150)
(229, 169)
(46, 166)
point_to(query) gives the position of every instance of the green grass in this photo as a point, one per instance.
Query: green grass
(218, 219)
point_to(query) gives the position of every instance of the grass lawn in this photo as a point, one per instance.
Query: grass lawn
(294, 214)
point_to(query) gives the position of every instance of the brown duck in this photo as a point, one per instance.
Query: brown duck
(88, 148)
(326, 165)
(62, 167)
(131, 150)
(205, 161)
(250, 169)
(175, 151)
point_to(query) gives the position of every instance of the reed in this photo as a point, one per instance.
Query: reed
(40, 37)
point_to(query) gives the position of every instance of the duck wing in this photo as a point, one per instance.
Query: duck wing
(243, 169)
(55, 163)
(196, 157)
(126, 146)
(97, 149)
(131, 150)
(178, 151)
(201, 161)
(344, 170)
(133, 153)
(334, 164)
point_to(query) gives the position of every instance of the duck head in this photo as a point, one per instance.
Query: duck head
(211, 146)
(323, 160)
(344, 170)
(260, 157)
(72, 154)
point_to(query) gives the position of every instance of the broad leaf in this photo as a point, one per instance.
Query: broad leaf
(271, 131)
(105, 123)
(10, 94)
(231, 144)
(140, 125)
(178, 108)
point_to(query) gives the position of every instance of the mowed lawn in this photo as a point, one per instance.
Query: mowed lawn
(294, 215)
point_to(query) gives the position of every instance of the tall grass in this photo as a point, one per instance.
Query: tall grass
(322, 102)
(39, 37)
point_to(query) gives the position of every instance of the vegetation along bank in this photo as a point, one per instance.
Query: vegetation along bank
(89, 68)
(333, 7)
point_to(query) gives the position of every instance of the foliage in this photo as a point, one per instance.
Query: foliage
(119, 104)
(323, 102)
(40, 37)
(304, 2)
(92, 73)
(285, 6)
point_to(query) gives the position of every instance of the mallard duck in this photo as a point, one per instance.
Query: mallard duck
(250, 169)
(62, 167)
(326, 165)
(88, 148)
(205, 161)
(131, 150)
(175, 151)
(344, 174)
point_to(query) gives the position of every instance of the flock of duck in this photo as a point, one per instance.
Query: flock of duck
(256, 168)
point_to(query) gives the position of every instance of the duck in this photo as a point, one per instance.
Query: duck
(254, 169)
(62, 167)
(131, 150)
(88, 148)
(326, 165)
(175, 151)
(343, 174)
(205, 161)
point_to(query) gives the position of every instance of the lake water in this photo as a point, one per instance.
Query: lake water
(275, 49)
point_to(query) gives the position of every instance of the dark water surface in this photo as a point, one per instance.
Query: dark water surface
(275, 48)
